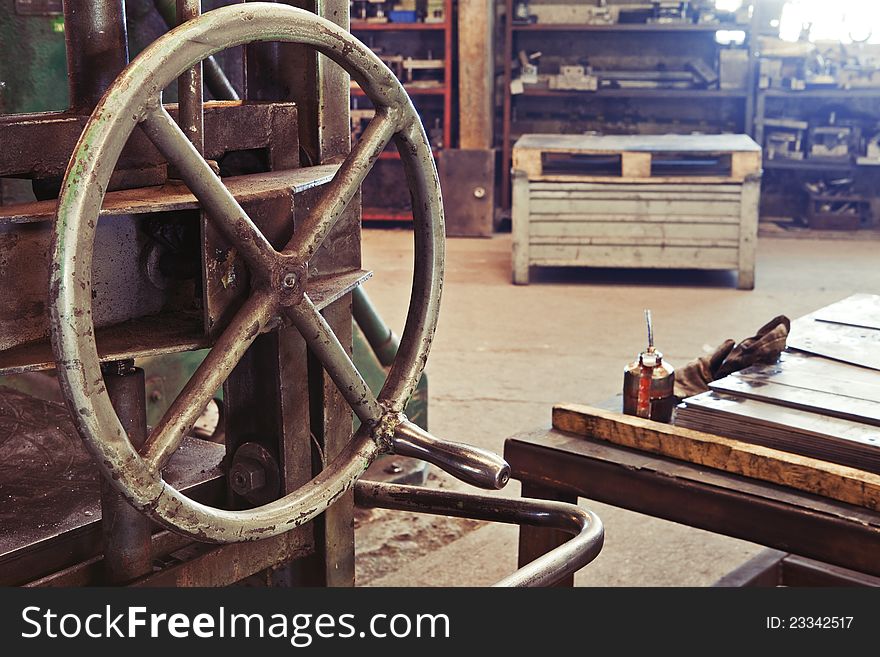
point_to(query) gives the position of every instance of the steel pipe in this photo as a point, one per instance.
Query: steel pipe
(381, 338)
(588, 533)
(190, 95)
(97, 48)
(215, 78)
(126, 531)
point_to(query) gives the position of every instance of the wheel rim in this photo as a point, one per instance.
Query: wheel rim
(135, 97)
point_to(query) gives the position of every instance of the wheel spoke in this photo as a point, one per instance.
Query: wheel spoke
(213, 195)
(338, 192)
(180, 417)
(335, 359)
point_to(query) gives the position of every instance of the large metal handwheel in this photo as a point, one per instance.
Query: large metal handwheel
(278, 279)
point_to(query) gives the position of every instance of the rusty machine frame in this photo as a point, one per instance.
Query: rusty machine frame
(278, 253)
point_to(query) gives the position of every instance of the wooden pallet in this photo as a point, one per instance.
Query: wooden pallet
(637, 158)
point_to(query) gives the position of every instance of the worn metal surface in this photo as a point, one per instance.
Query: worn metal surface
(279, 278)
(850, 344)
(32, 59)
(468, 178)
(123, 291)
(857, 310)
(810, 383)
(828, 438)
(126, 531)
(382, 340)
(585, 526)
(162, 333)
(40, 145)
(173, 197)
(189, 85)
(50, 487)
(201, 565)
(97, 48)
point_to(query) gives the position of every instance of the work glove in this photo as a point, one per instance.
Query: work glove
(763, 347)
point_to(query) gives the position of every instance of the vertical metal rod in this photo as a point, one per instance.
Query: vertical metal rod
(189, 86)
(97, 48)
(215, 78)
(381, 338)
(126, 531)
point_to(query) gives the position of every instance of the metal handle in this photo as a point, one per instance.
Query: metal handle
(585, 526)
(475, 466)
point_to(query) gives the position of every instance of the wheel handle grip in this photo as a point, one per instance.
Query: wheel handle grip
(475, 466)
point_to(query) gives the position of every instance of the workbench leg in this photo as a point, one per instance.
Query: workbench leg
(536, 541)
(520, 227)
(748, 231)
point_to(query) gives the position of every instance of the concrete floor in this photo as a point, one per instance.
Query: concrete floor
(505, 354)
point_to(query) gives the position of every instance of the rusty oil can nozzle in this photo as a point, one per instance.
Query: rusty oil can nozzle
(648, 360)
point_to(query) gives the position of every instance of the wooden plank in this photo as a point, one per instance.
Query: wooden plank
(637, 143)
(636, 192)
(618, 187)
(837, 482)
(634, 256)
(476, 80)
(636, 153)
(743, 165)
(635, 165)
(676, 180)
(629, 242)
(669, 206)
(748, 235)
(520, 227)
(611, 231)
(529, 162)
(537, 218)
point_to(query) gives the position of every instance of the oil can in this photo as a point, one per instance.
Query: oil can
(648, 383)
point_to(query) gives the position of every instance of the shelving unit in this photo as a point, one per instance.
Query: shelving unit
(783, 193)
(634, 46)
(384, 193)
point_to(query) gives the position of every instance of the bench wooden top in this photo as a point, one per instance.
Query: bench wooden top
(637, 143)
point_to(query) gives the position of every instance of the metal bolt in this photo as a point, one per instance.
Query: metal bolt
(289, 280)
(246, 477)
(393, 468)
(118, 367)
(479, 192)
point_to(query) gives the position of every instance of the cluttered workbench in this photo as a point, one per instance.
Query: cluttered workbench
(787, 457)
